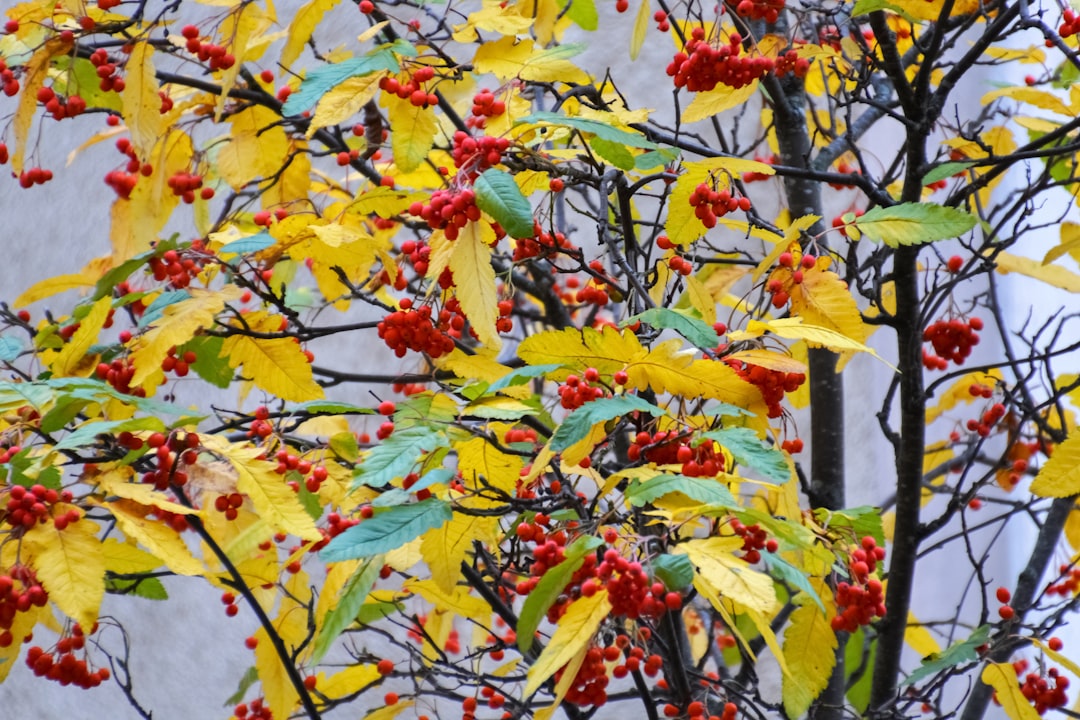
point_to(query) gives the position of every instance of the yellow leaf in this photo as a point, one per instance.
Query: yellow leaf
(389, 712)
(960, 392)
(412, 131)
(509, 58)
(303, 24)
(445, 547)
(257, 147)
(54, 286)
(770, 360)
(71, 356)
(457, 601)
(294, 182)
(481, 463)
(1060, 476)
(345, 100)
(823, 299)
(763, 623)
(566, 681)
(158, 538)
(474, 280)
(142, 104)
(125, 558)
(70, 565)
(276, 365)
(641, 27)
(1070, 244)
(919, 638)
(1030, 96)
(793, 328)
(274, 500)
(574, 631)
(178, 323)
(701, 299)
(115, 484)
(682, 226)
(1052, 275)
(730, 576)
(246, 20)
(1002, 677)
(696, 632)
(349, 681)
(479, 366)
(291, 626)
(792, 233)
(713, 102)
(33, 78)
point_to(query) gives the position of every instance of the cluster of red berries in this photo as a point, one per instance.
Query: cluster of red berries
(229, 505)
(58, 107)
(755, 539)
(179, 366)
(952, 340)
(184, 185)
(590, 683)
(64, 666)
(985, 424)
(484, 106)
(860, 601)
(169, 452)
(1037, 689)
(264, 218)
(1068, 582)
(119, 373)
(667, 448)
(709, 204)
(542, 244)
(8, 80)
(772, 383)
(778, 287)
(696, 711)
(9, 452)
(1070, 25)
(404, 330)
(629, 590)
(106, 70)
(27, 507)
(14, 601)
(261, 427)
(448, 210)
(418, 254)
(410, 89)
(474, 155)
(576, 391)
(34, 176)
(218, 57)
(255, 710)
(700, 67)
(793, 446)
(180, 267)
(767, 10)
(844, 168)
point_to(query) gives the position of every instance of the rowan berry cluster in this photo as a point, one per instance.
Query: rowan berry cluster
(411, 89)
(184, 185)
(1070, 24)
(1038, 690)
(15, 600)
(985, 424)
(216, 55)
(772, 383)
(9, 82)
(448, 210)
(9, 452)
(700, 67)
(576, 391)
(860, 601)
(474, 155)
(58, 107)
(110, 80)
(63, 666)
(709, 204)
(179, 267)
(590, 683)
(755, 539)
(34, 176)
(484, 106)
(169, 453)
(629, 591)
(542, 244)
(1068, 582)
(696, 711)
(404, 330)
(255, 710)
(118, 374)
(667, 448)
(952, 340)
(27, 507)
(767, 10)
(778, 286)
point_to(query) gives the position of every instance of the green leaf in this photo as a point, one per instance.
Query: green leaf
(308, 499)
(615, 153)
(149, 588)
(500, 197)
(396, 456)
(10, 348)
(375, 611)
(913, 223)
(592, 127)
(577, 424)
(388, 530)
(749, 450)
(522, 375)
(694, 329)
(344, 611)
(857, 657)
(862, 520)
(582, 12)
(551, 585)
(792, 576)
(87, 434)
(865, 7)
(322, 79)
(944, 171)
(211, 366)
(704, 490)
(155, 309)
(656, 158)
(330, 407)
(250, 244)
(675, 571)
(344, 445)
(251, 676)
(956, 654)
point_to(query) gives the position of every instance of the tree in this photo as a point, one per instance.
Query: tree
(595, 466)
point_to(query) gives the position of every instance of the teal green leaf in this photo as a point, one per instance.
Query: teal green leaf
(704, 490)
(656, 158)
(10, 348)
(388, 530)
(522, 375)
(350, 599)
(396, 456)
(155, 309)
(551, 585)
(322, 79)
(914, 223)
(863, 520)
(592, 127)
(330, 407)
(675, 571)
(749, 450)
(250, 244)
(499, 196)
(577, 424)
(792, 575)
(944, 171)
(693, 328)
(87, 434)
(956, 654)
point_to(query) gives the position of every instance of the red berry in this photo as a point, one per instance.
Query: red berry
(387, 407)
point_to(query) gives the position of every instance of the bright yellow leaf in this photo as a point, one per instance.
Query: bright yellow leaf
(349, 681)
(508, 58)
(810, 651)
(257, 147)
(54, 286)
(125, 558)
(276, 365)
(729, 575)
(142, 104)
(155, 536)
(70, 565)
(919, 638)
(713, 102)
(412, 131)
(642, 23)
(574, 631)
(1002, 677)
(457, 601)
(73, 355)
(1069, 245)
(1053, 275)
(33, 79)
(291, 626)
(303, 24)
(344, 101)
(474, 280)
(446, 546)
(1060, 476)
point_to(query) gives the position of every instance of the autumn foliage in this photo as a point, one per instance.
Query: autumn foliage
(581, 444)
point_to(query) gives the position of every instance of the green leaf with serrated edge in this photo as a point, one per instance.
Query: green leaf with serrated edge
(703, 490)
(10, 348)
(499, 196)
(582, 12)
(615, 153)
(344, 611)
(914, 223)
(15, 395)
(62, 413)
(863, 520)
(499, 408)
(956, 654)
(675, 571)
(656, 158)
(751, 451)
(210, 365)
(593, 127)
(694, 329)
(396, 456)
(251, 676)
(391, 498)
(148, 588)
(155, 309)
(249, 244)
(792, 575)
(388, 530)
(944, 171)
(551, 585)
(98, 390)
(578, 423)
(322, 79)
(522, 375)
(856, 657)
(437, 476)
